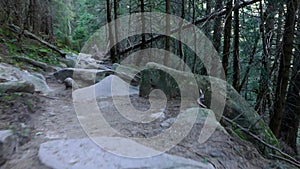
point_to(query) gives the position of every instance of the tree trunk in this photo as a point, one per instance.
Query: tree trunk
(290, 123)
(195, 41)
(217, 27)
(227, 36)
(180, 51)
(197, 22)
(207, 26)
(267, 27)
(168, 32)
(34, 16)
(117, 46)
(284, 68)
(143, 25)
(236, 53)
(110, 33)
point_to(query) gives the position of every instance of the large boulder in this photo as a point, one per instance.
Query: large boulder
(236, 107)
(128, 73)
(86, 61)
(8, 144)
(108, 87)
(12, 74)
(16, 86)
(83, 153)
(69, 61)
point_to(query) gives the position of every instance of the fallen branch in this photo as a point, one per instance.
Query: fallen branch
(35, 37)
(287, 160)
(41, 65)
(285, 155)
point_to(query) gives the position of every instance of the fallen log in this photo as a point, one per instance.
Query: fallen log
(35, 37)
(38, 64)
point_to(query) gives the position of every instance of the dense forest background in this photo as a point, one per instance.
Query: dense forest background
(258, 42)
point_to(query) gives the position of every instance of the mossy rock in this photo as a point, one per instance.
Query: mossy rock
(236, 107)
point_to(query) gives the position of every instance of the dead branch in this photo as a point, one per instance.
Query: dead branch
(41, 65)
(35, 37)
(285, 159)
(295, 162)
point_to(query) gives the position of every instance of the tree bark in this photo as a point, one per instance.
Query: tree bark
(227, 36)
(117, 46)
(143, 25)
(195, 41)
(207, 26)
(236, 53)
(180, 51)
(110, 33)
(284, 68)
(168, 32)
(217, 27)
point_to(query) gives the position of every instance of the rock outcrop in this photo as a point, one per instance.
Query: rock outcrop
(16, 78)
(83, 153)
(236, 107)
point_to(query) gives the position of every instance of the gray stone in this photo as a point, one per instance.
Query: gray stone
(70, 60)
(83, 153)
(10, 73)
(167, 123)
(86, 61)
(16, 86)
(110, 86)
(70, 83)
(7, 145)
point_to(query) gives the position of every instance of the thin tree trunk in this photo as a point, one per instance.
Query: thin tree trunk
(195, 41)
(180, 51)
(236, 53)
(117, 46)
(284, 69)
(217, 27)
(110, 33)
(227, 36)
(245, 78)
(266, 27)
(207, 26)
(168, 32)
(143, 25)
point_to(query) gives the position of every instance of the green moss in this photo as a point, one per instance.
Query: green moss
(7, 98)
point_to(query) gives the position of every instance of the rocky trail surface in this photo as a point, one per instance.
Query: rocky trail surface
(54, 119)
(49, 134)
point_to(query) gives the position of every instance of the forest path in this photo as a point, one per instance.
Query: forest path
(54, 119)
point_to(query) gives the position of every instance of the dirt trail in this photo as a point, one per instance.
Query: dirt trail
(54, 119)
